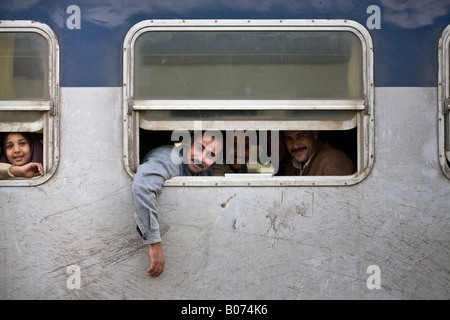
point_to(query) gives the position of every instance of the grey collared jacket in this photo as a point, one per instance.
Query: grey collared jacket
(156, 167)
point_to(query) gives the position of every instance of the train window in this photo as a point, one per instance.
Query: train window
(255, 76)
(444, 101)
(29, 89)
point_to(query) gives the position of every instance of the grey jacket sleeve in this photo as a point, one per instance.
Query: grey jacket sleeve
(147, 184)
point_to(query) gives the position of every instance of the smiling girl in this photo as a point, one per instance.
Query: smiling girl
(23, 155)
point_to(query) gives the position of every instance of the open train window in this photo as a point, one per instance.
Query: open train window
(262, 76)
(29, 90)
(444, 101)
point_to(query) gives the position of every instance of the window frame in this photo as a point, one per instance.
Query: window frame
(363, 108)
(444, 101)
(49, 121)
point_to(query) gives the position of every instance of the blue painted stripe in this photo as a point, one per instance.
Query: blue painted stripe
(405, 48)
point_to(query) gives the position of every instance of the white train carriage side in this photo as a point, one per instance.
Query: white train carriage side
(103, 83)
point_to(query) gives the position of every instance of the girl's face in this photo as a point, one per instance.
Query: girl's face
(17, 149)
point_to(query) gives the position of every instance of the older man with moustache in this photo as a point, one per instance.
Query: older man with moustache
(312, 156)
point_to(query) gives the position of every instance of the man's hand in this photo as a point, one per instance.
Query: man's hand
(157, 260)
(29, 170)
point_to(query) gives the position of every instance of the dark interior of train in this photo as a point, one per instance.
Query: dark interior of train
(345, 140)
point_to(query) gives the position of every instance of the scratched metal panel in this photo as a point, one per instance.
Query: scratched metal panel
(232, 242)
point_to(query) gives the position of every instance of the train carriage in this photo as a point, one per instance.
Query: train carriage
(102, 83)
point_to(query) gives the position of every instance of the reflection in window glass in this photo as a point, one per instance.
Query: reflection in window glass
(248, 65)
(23, 66)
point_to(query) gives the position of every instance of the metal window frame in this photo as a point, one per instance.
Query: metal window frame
(444, 101)
(49, 122)
(363, 108)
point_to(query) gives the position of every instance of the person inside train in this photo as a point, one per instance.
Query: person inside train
(312, 156)
(236, 154)
(21, 155)
(283, 156)
(193, 158)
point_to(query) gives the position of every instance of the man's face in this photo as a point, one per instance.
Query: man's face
(301, 144)
(240, 153)
(204, 151)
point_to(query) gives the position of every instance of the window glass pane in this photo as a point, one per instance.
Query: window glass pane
(248, 65)
(284, 115)
(20, 116)
(248, 119)
(23, 66)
